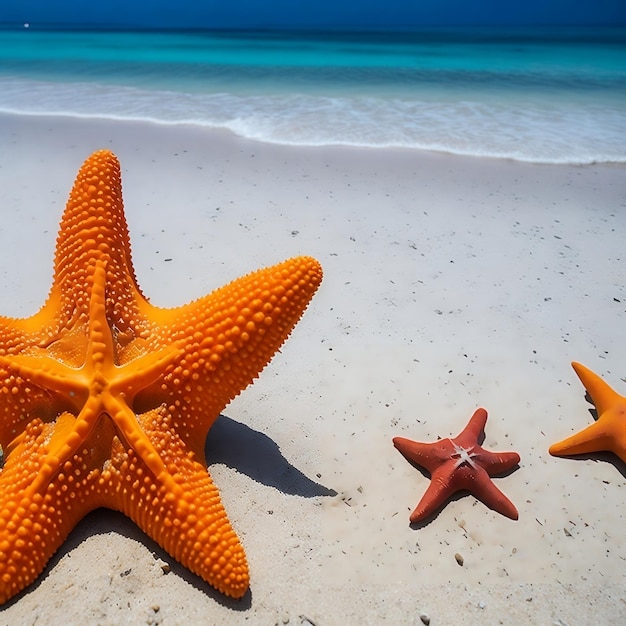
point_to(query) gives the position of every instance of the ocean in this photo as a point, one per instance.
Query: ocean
(540, 95)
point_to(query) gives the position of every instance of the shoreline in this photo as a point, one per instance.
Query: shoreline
(525, 130)
(450, 283)
(200, 127)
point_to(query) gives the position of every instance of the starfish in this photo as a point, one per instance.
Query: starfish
(106, 400)
(609, 431)
(460, 464)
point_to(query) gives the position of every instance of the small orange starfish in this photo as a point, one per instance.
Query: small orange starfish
(106, 400)
(608, 433)
(460, 464)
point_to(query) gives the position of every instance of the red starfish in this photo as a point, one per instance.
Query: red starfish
(460, 464)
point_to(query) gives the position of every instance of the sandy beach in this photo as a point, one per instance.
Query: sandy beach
(450, 283)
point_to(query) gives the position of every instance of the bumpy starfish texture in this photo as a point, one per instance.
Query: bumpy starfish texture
(608, 433)
(106, 400)
(460, 464)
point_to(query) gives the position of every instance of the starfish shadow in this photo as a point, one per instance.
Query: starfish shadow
(602, 457)
(592, 410)
(257, 456)
(105, 521)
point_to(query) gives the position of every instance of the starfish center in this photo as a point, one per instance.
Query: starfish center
(464, 455)
(99, 387)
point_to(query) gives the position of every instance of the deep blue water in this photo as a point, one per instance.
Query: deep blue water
(534, 95)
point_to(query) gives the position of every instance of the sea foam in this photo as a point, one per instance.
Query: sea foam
(534, 131)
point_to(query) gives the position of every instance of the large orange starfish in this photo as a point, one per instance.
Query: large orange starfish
(608, 433)
(460, 464)
(106, 400)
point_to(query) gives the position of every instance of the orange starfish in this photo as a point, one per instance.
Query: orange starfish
(106, 400)
(460, 464)
(609, 431)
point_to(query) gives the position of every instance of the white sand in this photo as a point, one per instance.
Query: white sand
(450, 283)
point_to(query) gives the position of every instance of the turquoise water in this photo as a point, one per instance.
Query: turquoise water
(541, 96)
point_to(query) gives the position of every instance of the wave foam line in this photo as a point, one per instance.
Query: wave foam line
(531, 131)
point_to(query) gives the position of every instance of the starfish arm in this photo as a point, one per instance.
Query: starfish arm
(184, 513)
(94, 229)
(132, 376)
(439, 491)
(48, 373)
(228, 337)
(130, 432)
(474, 431)
(19, 396)
(143, 371)
(430, 456)
(495, 463)
(483, 488)
(601, 393)
(31, 527)
(597, 437)
(194, 529)
(68, 435)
